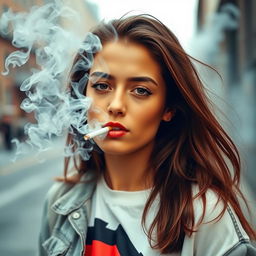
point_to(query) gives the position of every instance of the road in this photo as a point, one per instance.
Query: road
(23, 186)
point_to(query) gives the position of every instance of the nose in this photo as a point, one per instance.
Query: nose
(117, 105)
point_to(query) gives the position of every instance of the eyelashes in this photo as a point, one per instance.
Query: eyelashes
(142, 91)
(137, 91)
(100, 86)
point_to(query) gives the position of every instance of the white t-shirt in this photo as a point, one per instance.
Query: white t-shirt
(115, 226)
(115, 222)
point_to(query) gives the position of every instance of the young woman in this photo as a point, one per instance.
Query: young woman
(165, 178)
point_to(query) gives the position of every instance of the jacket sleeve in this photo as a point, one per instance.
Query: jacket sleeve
(49, 217)
(45, 229)
(225, 237)
(221, 237)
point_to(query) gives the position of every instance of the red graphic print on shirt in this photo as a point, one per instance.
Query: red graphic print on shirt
(103, 241)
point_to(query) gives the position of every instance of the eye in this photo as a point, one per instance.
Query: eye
(101, 87)
(140, 91)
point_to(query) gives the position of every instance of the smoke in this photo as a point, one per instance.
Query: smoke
(56, 112)
(206, 44)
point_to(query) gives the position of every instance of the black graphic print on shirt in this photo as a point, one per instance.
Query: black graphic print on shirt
(103, 241)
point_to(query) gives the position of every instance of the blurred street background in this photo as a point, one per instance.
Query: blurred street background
(221, 33)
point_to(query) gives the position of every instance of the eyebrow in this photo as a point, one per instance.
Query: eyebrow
(130, 79)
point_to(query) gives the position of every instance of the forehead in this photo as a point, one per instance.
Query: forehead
(126, 58)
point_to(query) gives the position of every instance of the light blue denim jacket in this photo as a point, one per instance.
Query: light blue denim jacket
(65, 221)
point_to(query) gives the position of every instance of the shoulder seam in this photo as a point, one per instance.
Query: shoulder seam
(238, 232)
(241, 242)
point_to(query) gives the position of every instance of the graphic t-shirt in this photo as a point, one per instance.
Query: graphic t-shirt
(115, 223)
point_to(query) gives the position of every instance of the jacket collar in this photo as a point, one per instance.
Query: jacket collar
(74, 196)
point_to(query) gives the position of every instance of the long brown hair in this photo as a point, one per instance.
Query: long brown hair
(191, 149)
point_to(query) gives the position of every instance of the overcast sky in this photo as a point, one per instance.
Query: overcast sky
(178, 15)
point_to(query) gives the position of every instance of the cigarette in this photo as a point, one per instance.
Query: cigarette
(93, 134)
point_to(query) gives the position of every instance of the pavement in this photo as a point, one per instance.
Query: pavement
(23, 188)
(10, 161)
(6, 156)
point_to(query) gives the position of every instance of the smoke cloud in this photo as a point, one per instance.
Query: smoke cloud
(56, 112)
(206, 44)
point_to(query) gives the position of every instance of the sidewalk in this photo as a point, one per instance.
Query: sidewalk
(10, 161)
(6, 157)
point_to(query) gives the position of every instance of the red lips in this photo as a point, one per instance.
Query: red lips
(117, 125)
(118, 130)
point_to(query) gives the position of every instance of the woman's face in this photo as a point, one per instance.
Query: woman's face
(127, 88)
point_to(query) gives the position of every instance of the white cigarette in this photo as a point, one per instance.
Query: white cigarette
(91, 135)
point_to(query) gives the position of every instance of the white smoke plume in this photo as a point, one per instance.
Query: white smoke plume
(206, 46)
(56, 112)
(206, 43)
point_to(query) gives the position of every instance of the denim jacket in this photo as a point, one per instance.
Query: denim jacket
(65, 221)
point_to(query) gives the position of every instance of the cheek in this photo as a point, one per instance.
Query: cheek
(147, 124)
(97, 112)
(149, 115)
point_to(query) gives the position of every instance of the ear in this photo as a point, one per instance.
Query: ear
(168, 115)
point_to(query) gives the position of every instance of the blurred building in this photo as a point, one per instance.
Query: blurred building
(12, 118)
(236, 61)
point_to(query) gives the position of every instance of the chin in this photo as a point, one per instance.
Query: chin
(121, 148)
(116, 151)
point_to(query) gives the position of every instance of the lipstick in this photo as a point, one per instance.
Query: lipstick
(113, 130)
(115, 125)
(101, 131)
(117, 130)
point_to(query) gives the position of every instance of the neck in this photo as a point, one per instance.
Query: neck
(128, 172)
